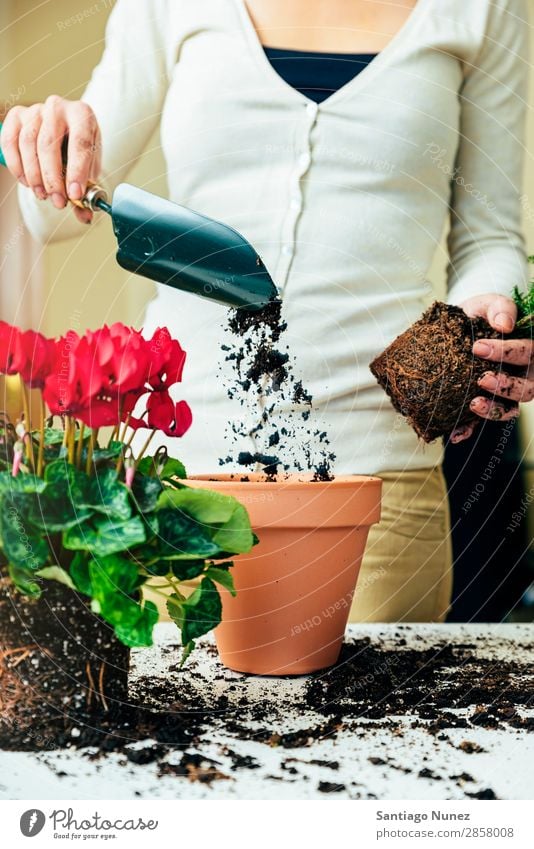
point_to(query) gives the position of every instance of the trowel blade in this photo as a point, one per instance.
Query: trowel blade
(176, 246)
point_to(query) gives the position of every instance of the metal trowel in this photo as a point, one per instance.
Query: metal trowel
(176, 246)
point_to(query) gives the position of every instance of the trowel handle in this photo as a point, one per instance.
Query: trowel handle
(94, 198)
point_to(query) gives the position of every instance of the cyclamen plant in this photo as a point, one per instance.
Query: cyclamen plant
(97, 518)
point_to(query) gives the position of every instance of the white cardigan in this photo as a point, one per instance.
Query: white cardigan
(346, 201)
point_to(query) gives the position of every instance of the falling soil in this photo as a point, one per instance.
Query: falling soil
(430, 372)
(263, 380)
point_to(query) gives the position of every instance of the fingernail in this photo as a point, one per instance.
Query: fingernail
(505, 322)
(478, 404)
(457, 434)
(75, 191)
(58, 200)
(40, 192)
(489, 380)
(482, 349)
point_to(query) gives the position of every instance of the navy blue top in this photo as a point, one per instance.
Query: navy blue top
(317, 75)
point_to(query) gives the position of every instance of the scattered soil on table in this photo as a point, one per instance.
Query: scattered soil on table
(430, 372)
(283, 437)
(440, 687)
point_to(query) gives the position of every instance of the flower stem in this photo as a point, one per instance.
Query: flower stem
(91, 448)
(27, 422)
(40, 455)
(144, 448)
(125, 428)
(79, 446)
(114, 435)
(71, 440)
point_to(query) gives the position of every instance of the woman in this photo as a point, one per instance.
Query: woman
(344, 180)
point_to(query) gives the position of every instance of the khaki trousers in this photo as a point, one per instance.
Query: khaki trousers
(406, 574)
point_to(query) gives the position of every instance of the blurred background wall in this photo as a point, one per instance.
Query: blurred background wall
(77, 283)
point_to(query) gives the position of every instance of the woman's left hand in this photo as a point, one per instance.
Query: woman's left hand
(501, 313)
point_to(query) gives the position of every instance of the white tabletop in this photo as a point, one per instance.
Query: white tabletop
(395, 758)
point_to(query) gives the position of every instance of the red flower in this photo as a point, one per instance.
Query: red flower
(173, 419)
(37, 357)
(10, 351)
(29, 354)
(167, 359)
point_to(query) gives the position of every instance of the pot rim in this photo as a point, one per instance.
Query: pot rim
(297, 481)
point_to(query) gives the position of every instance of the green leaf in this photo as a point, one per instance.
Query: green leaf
(186, 570)
(222, 577)
(79, 571)
(199, 613)
(146, 491)
(56, 573)
(111, 452)
(186, 652)
(55, 510)
(22, 543)
(235, 535)
(22, 483)
(171, 468)
(181, 537)
(204, 505)
(52, 436)
(113, 581)
(140, 632)
(104, 536)
(24, 581)
(106, 494)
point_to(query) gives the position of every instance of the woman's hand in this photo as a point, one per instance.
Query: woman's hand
(32, 139)
(501, 313)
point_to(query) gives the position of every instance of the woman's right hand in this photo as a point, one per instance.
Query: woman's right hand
(32, 139)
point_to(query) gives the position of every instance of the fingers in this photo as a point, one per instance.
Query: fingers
(82, 148)
(29, 132)
(517, 352)
(84, 216)
(492, 410)
(9, 141)
(463, 432)
(499, 311)
(513, 388)
(49, 141)
(502, 314)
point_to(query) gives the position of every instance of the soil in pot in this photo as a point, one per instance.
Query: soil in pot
(56, 658)
(430, 372)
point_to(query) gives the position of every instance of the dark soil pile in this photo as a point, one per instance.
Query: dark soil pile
(56, 658)
(430, 372)
(264, 377)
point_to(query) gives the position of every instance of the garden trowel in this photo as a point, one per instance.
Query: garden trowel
(181, 248)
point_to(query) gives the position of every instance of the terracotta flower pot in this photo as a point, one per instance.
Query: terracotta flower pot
(295, 588)
(56, 657)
